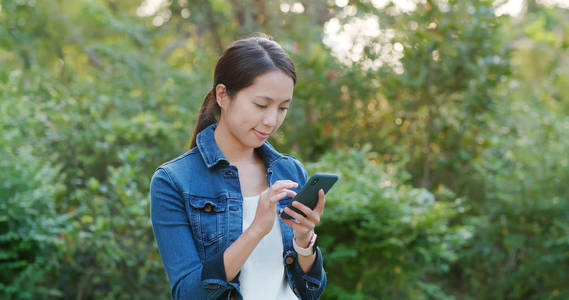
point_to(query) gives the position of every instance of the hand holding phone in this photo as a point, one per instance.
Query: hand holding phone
(308, 195)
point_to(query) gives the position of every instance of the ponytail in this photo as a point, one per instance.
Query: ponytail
(209, 114)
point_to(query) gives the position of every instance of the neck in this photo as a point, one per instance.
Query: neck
(231, 148)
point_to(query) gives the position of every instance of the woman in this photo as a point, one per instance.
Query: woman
(214, 208)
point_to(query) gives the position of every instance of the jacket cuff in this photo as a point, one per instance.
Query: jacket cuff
(213, 273)
(314, 276)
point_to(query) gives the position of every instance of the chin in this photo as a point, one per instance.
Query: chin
(255, 142)
(252, 143)
(259, 144)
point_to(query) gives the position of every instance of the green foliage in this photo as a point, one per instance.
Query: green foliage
(383, 239)
(105, 127)
(31, 231)
(519, 223)
(95, 94)
(426, 110)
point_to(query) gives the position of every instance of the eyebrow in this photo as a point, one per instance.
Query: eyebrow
(271, 99)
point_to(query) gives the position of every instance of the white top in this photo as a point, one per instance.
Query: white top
(263, 275)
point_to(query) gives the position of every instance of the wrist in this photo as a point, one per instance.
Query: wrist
(306, 250)
(304, 240)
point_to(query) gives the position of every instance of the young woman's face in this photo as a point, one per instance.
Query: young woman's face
(257, 111)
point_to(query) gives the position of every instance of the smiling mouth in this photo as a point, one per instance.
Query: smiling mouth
(260, 134)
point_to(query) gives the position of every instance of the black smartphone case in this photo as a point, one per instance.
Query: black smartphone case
(308, 195)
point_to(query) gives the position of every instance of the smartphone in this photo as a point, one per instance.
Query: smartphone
(308, 195)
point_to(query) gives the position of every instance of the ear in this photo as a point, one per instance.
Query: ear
(221, 95)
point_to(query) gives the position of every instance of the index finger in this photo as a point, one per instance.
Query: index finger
(287, 184)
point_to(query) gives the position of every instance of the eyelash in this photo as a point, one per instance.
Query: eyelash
(264, 106)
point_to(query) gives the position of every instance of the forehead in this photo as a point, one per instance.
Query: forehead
(276, 85)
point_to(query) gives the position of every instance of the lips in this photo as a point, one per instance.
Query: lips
(261, 135)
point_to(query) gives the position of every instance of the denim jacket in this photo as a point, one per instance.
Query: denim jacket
(196, 208)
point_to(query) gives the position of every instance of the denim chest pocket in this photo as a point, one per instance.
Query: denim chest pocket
(208, 218)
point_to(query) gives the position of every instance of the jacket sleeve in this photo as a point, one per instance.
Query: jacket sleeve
(189, 278)
(310, 285)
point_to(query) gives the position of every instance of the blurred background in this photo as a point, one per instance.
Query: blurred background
(447, 120)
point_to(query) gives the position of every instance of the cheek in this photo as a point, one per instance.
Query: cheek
(241, 114)
(281, 118)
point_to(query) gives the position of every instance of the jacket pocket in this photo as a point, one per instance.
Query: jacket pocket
(208, 220)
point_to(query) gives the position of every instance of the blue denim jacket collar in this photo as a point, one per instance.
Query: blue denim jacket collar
(212, 155)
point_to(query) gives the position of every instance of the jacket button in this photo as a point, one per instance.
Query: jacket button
(289, 260)
(296, 291)
(207, 208)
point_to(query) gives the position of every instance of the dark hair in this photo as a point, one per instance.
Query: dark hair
(237, 69)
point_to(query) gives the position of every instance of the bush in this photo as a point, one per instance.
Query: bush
(520, 248)
(31, 231)
(99, 145)
(382, 239)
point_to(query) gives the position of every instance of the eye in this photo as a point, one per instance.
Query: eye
(283, 108)
(260, 105)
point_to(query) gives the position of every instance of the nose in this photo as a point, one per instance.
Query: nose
(270, 118)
